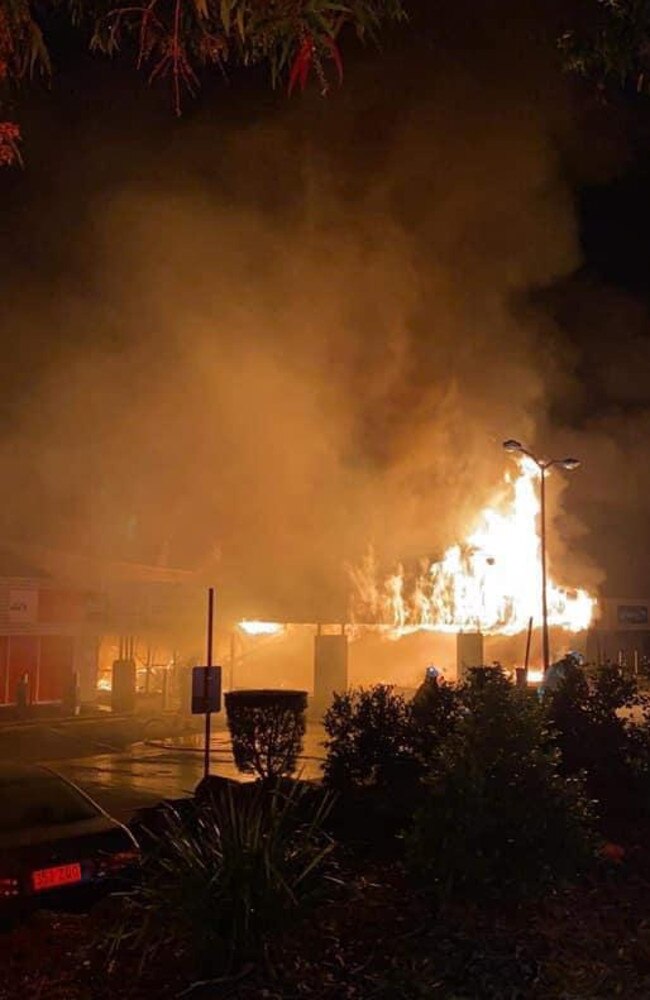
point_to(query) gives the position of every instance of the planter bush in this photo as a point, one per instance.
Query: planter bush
(267, 728)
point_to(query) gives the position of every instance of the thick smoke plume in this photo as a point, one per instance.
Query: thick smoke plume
(253, 348)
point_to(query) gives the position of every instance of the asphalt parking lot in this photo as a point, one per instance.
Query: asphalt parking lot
(166, 769)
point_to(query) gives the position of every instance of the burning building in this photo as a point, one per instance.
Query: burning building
(400, 621)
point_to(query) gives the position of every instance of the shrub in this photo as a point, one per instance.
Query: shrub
(498, 819)
(435, 711)
(370, 762)
(267, 730)
(569, 716)
(217, 884)
(368, 739)
(596, 736)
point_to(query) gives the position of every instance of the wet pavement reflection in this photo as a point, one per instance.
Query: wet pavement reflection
(165, 769)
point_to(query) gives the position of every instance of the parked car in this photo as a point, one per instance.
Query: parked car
(57, 846)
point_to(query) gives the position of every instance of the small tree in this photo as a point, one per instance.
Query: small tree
(267, 730)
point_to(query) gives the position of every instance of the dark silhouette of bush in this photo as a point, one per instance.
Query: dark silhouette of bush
(267, 730)
(498, 820)
(368, 738)
(371, 764)
(219, 879)
(434, 713)
(601, 729)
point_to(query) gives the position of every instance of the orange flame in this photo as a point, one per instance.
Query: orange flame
(261, 628)
(491, 583)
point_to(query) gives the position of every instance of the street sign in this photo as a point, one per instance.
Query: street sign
(206, 690)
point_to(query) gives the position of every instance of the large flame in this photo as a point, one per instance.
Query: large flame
(261, 628)
(491, 583)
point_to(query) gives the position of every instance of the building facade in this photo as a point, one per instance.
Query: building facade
(621, 632)
(46, 635)
(64, 619)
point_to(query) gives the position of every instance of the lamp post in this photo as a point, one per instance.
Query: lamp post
(543, 465)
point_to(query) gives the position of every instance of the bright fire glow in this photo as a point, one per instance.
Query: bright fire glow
(490, 583)
(261, 628)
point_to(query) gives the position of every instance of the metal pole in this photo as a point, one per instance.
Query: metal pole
(528, 639)
(232, 660)
(206, 692)
(545, 646)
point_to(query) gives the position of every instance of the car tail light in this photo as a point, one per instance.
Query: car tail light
(121, 859)
(8, 887)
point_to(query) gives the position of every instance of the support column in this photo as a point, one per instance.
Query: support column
(469, 653)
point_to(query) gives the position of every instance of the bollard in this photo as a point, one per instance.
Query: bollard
(71, 696)
(22, 696)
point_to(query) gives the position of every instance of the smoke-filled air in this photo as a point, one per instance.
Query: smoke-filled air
(292, 335)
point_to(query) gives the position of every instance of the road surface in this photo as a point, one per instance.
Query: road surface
(147, 773)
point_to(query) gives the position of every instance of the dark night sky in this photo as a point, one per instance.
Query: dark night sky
(100, 130)
(615, 228)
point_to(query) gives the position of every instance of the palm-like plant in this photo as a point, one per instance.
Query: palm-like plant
(214, 887)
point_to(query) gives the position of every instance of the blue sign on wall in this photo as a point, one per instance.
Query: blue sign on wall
(632, 614)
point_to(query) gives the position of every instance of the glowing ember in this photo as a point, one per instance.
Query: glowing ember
(491, 583)
(261, 628)
(535, 676)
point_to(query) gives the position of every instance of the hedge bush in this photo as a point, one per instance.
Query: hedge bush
(377, 747)
(498, 820)
(601, 729)
(434, 714)
(368, 738)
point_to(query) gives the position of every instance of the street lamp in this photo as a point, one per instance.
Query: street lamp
(543, 465)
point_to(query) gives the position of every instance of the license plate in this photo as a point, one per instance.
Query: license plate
(50, 878)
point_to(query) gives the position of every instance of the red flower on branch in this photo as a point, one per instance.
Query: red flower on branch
(302, 64)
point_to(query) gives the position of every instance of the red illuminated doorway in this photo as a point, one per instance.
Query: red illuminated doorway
(23, 659)
(56, 665)
(4, 671)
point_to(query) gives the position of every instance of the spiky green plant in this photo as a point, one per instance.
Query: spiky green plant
(216, 885)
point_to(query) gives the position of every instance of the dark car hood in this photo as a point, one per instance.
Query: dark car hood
(41, 835)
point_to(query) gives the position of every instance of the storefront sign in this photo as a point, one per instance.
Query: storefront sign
(23, 606)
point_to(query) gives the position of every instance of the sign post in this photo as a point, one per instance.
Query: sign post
(206, 686)
(206, 769)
